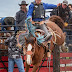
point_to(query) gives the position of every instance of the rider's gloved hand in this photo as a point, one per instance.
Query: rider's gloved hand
(30, 19)
(58, 4)
(65, 24)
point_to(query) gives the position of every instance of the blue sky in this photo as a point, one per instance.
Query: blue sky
(10, 7)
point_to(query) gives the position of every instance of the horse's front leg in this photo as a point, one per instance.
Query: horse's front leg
(27, 67)
(35, 67)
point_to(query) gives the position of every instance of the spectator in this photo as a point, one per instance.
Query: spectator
(62, 11)
(14, 54)
(70, 20)
(70, 6)
(70, 27)
(21, 15)
(7, 21)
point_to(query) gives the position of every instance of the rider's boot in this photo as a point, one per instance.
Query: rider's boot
(47, 33)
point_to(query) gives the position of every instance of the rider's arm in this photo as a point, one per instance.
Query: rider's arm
(49, 6)
(30, 11)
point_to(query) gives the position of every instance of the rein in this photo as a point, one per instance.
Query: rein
(54, 34)
(41, 65)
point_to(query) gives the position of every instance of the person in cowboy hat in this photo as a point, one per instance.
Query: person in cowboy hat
(21, 15)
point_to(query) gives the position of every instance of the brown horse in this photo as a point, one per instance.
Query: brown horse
(35, 52)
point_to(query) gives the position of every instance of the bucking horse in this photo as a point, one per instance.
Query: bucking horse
(36, 51)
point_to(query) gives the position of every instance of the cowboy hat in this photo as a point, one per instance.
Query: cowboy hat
(23, 3)
(9, 20)
(65, 2)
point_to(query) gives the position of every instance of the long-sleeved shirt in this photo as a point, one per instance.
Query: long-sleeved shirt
(13, 50)
(45, 5)
(20, 19)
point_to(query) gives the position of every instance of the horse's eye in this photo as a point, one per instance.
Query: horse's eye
(25, 47)
(32, 49)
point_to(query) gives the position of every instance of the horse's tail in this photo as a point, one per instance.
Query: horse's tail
(57, 20)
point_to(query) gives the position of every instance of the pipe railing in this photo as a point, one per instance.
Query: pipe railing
(12, 26)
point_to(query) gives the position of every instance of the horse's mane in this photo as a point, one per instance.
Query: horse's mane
(57, 20)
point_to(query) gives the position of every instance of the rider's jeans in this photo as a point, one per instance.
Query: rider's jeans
(43, 27)
(19, 63)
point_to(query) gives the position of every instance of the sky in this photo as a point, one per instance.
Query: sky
(10, 7)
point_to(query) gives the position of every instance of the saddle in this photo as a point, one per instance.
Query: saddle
(39, 32)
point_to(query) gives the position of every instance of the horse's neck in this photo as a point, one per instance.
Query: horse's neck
(38, 48)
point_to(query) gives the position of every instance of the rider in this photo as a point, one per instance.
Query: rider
(36, 13)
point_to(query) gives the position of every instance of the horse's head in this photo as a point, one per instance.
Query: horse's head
(30, 49)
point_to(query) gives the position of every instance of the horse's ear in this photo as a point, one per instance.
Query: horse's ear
(25, 38)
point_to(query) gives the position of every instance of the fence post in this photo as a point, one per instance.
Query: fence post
(56, 59)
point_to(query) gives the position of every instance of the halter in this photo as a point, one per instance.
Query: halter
(30, 53)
